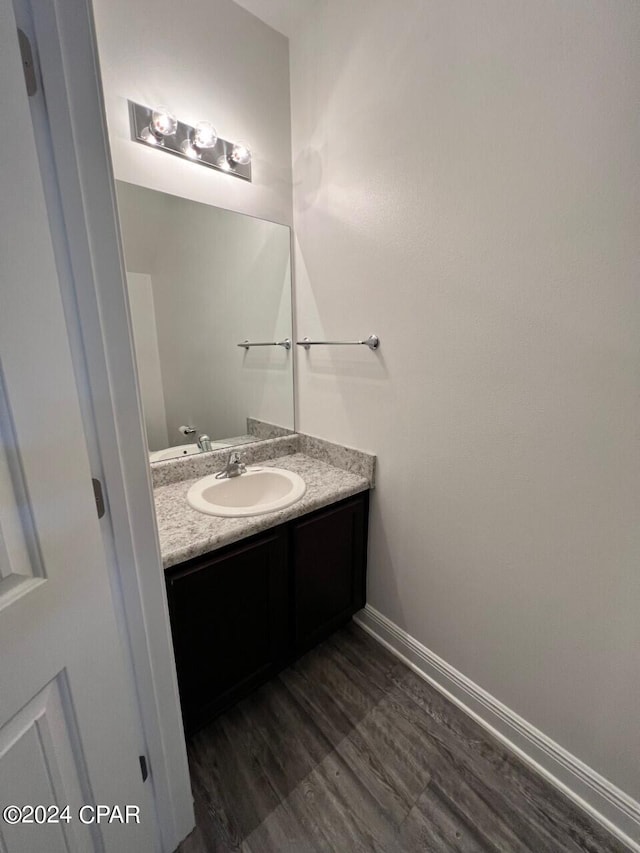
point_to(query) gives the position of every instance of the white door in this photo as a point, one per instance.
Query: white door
(68, 728)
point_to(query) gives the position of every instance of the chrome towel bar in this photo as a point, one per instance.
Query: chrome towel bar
(286, 343)
(373, 342)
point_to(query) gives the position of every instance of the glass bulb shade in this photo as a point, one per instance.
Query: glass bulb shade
(204, 135)
(163, 122)
(149, 136)
(188, 149)
(241, 153)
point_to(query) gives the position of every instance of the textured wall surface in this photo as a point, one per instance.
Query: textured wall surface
(466, 185)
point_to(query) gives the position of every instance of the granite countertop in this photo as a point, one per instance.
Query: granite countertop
(186, 533)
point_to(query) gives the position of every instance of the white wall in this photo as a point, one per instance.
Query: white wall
(204, 60)
(466, 185)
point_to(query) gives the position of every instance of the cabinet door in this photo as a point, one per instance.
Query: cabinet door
(229, 618)
(329, 563)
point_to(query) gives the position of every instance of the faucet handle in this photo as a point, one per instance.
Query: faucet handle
(236, 461)
(234, 467)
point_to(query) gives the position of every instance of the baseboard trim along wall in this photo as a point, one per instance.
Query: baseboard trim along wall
(606, 803)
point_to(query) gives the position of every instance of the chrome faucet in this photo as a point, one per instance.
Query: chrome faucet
(234, 467)
(204, 443)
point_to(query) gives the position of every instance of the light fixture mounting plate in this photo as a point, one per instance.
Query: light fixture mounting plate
(140, 119)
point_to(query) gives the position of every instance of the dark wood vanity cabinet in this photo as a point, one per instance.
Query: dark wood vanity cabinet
(240, 614)
(328, 557)
(229, 615)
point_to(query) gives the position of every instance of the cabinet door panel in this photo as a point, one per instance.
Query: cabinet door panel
(230, 624)
(329, 557)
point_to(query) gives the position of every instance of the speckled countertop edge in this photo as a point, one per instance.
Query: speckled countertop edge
(186, 533)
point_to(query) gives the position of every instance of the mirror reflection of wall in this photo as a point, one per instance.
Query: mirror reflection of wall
(202, 280)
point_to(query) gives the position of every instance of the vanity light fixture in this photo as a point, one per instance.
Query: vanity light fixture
(199, 143)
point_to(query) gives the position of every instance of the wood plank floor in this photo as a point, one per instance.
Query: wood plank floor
(348, 751)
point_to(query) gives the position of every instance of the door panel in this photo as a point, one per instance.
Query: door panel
(329, 558)
(20, 564)
(60, 648)
(229, 622)
(41, 737)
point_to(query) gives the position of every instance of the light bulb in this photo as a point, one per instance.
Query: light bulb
(189, 150)
(241, 153)
(204, 135)
(163, 122)
(149, 136)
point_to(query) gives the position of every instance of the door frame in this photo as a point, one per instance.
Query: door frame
(113, 419)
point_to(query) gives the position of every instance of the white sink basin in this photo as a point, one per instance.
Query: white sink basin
(189, 449)
(173, 452)
(256, 492)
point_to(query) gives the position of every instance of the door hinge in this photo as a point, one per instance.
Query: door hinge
(28, 64)
(143, 768)
(97, 493)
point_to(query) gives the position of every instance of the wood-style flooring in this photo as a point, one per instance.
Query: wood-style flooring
(348, 751)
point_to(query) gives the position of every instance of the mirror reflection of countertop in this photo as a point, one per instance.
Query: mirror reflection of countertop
(186, 533)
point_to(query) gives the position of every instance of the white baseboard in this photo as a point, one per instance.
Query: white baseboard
(606, 803)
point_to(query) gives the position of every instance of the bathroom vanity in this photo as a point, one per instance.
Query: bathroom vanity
(240, 614)
(213, 331)
(248, 595)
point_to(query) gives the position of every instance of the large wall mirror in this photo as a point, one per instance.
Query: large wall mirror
(203, 280)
